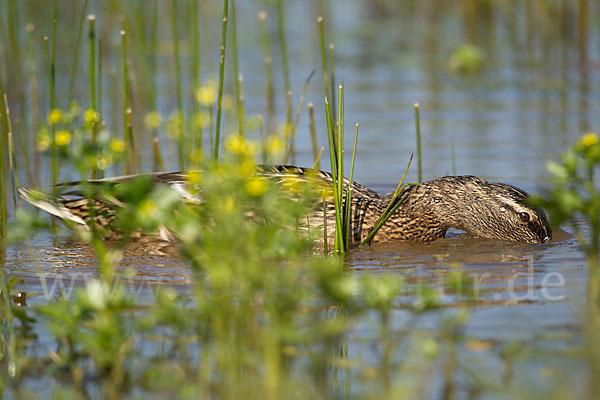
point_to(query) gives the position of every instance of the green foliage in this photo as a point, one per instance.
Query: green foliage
(576, 190)
(467, 59)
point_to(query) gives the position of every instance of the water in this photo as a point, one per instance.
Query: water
(534, 96)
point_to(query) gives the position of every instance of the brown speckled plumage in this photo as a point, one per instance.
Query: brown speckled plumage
(488, 210)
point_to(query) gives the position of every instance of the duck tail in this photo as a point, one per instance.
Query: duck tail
(51, 204)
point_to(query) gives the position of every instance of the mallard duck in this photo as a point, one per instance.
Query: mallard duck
(484, 209)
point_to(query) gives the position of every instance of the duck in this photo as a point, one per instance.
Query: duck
(427, 211)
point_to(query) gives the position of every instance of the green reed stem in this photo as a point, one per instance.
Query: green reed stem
(52, 81)
(100, 78)
(126, 110)
(339, 240)
(313, 134)
(196, 71)
(324, 61)
(92, 80)
(297, 118)
(76, 52)
(2, 179)
(14, 176)
(332, 73)
(419, 159)
(348, 205)
(35, 106)
(318, 158)
(340, 145)
(236, 71)
(92, 60)
(391, 207)
(283, 45)
(269, 90)
(132, 147)
(325, 237)
(180, 136)
(158, 161)
(153, 59)
(221, 78)
(288, 119)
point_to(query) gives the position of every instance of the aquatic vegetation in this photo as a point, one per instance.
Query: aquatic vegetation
(466, 59)
(265, 314)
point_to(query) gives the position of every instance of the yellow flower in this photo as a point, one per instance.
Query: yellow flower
(62, 138)
(236, 144)
(152, 120)
(194, 177)
(91, 116)
(228, 205)
(590, 139)
(256, 187)
(274, 146)
(117, 145)
(104, 162)
(54, 116)
(43, 141)
(206, 95)
(147, 209)
(247, 167)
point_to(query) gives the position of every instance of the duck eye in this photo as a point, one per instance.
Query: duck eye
(525, 217)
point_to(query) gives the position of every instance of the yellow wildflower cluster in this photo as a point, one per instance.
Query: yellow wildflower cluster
(256, 186)
(589, 145)
(274, 146)
(152, 120)
(590, 139)
(206, 95)
(54, 117)
(43, 140)
(62, 138)
(236, 144)
(90, 116)
(117, 145)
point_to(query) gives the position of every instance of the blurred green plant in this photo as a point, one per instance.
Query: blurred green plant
(467, 59)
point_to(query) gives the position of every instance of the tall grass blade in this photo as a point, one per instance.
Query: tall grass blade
(158, 161)
(196, 72)
(288, 123)
(348, 203)
(76, 52)
(236, 71)
(313, 135)
(126, 110)
(52, 82)
(283, 45)
(338, 239)
(221, 78)
(14, 176)
(92, 80)
(318, 158)
(391, 207)
(181, 124)
(419, 159)
(269, 89)
(291, 153)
